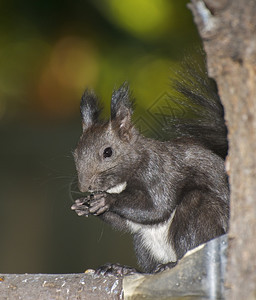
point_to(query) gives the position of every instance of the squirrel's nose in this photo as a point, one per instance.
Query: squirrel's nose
(82, 187)
(85, 182)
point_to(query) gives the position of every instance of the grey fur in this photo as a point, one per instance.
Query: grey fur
(181, 176)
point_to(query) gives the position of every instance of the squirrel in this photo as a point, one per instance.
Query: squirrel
(170, 195)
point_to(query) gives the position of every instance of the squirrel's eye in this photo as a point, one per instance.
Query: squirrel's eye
(107, 152)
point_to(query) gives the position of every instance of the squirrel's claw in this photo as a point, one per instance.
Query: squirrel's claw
(115, 269)
(81, 207)
(99, 205)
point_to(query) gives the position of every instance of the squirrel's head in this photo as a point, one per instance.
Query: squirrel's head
(106, 152)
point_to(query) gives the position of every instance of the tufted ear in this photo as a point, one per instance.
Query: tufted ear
(122, 110)
(89, 108)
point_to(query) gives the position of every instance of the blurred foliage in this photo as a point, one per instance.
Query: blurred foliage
(50, 51)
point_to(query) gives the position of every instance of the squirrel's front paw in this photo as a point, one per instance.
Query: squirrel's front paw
(100, 203)
(81, 206)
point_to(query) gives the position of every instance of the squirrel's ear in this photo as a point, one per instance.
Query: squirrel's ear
(122, 110)
(89, 108)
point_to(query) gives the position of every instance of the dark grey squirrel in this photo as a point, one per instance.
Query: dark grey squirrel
(171, 195)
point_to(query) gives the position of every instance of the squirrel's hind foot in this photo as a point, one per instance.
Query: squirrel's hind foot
(115, 269)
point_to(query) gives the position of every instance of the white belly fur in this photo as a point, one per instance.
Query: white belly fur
(155, 239)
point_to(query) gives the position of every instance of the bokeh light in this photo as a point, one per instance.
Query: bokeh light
(144, 19)
(72, 66)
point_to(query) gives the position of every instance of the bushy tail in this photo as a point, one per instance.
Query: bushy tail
(198, 94)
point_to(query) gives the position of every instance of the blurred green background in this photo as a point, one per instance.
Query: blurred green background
(50, 51)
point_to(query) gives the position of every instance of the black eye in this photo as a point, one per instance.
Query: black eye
(107, 152)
